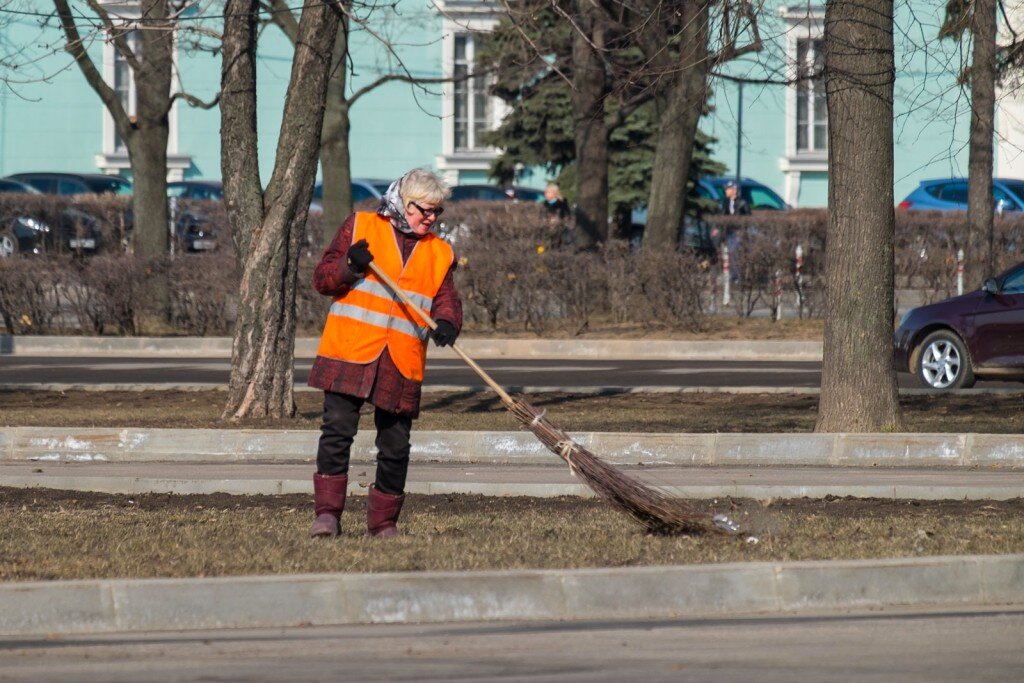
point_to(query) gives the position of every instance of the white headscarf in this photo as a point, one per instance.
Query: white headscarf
(393, 208)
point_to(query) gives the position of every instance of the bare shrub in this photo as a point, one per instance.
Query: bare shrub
(30, 295)
(203, 289)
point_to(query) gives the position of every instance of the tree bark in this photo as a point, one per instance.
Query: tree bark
(147, 141)
(334, 151)
(680, 105)
(858, 382)
(268, 228)
(590, 89)
(980, 250)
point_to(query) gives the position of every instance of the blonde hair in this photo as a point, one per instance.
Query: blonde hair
(421, 185)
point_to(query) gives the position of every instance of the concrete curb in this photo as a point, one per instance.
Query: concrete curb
(273, 487)
(48, 444)
(611, 349)
(113, 605)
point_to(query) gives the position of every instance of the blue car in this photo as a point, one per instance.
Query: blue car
(950, 194)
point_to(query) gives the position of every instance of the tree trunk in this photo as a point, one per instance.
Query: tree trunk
(147, 142)
(334, 152)
(680, 106)
(858, 380)
(591, 132)
(269, 227)
(980, 254)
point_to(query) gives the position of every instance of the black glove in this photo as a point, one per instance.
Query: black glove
(359, 257)
(445, 334)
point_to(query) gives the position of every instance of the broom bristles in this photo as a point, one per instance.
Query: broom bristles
(653, 509)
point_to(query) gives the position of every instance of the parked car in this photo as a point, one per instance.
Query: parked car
(75, 183)
(29, 235)
(199, 190)
(494, 193)
(951, 343)
(950, 194)
(759, 197)
(362, 189)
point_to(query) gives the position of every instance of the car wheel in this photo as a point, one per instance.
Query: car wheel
(944, 363)
(8, 243)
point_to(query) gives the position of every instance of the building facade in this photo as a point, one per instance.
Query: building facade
(51, 120)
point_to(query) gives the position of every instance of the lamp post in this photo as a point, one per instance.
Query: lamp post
(739, 131)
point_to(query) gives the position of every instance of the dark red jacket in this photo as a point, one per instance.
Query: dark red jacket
(379, 381)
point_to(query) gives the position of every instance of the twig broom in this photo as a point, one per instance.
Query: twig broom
(654, 510)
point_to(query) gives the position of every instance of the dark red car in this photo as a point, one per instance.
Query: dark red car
(980, 334)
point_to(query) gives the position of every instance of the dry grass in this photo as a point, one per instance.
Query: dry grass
(989, 413)
(72, 535)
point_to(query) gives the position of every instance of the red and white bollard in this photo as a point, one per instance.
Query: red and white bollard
(799, 277)
(778, 294)
(726, 275)
(959, 272)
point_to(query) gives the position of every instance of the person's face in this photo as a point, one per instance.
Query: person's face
(731, 191)
(421, 216)
(550, 193)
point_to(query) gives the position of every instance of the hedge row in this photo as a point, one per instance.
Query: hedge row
(518, 268)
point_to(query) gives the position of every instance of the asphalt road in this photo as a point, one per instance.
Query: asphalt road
(508, 372)
(446, 372)
(891, 646)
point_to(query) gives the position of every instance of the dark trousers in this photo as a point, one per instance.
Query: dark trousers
(341, 422)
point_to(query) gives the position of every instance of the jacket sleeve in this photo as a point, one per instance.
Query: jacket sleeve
(447, 302)
(332, 276)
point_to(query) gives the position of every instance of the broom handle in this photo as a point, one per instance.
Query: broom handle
(505, 398)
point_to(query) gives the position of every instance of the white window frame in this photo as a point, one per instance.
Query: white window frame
(112, 159)
(803, 22)
(460, 17)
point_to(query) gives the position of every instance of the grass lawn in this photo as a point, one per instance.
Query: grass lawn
(48, 534)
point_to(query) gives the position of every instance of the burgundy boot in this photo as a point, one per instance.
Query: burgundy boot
(382, 512)
(328, 500)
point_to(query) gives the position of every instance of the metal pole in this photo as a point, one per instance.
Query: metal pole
(959, 272)
(739, 131)
(778, 295)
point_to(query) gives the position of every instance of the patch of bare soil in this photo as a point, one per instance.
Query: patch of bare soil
(48, 534)
(715, 327)
(987, 413)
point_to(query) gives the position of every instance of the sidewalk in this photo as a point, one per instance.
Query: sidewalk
(520, 479)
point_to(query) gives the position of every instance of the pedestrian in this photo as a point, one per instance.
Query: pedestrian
(373, 349)
(733, 204)
(558, 214)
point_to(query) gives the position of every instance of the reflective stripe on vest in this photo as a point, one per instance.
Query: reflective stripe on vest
(369, 318)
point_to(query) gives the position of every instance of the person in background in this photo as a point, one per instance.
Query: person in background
(558, 213)
(734, 204)
(373, 349)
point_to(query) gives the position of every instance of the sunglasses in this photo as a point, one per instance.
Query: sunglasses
(427, 213)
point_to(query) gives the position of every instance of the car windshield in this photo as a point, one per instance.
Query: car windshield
(381, 187)
(112, 185)
(1016, 187)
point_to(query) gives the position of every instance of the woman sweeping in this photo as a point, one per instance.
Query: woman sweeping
(373, 349)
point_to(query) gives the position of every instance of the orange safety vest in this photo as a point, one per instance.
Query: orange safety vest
(368, 317)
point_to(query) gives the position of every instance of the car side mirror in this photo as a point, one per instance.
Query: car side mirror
(990, 286)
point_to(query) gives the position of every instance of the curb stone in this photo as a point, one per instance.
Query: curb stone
(101, 444)
(114, 605)
(481, 349)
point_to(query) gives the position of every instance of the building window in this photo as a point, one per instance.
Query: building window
(811, 114)
(472, 104)
(124, 84)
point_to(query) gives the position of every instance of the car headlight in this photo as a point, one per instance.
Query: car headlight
(33, 224)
